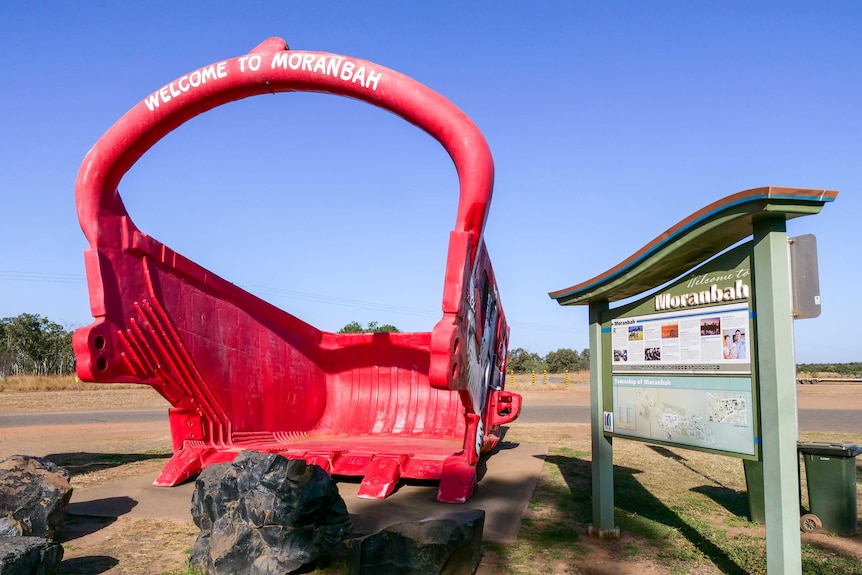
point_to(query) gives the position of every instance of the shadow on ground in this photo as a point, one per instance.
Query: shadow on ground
(110, 507)
(735, 502)
(635, 499)
(92, 565)
(81, 463)
(75, 527)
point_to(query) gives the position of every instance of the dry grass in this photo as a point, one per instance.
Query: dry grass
(28, 383)
(65, 393)
(101, 397)
(537, 381)
(126, 546)
(515, 382)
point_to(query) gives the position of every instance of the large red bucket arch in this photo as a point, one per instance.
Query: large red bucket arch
(243, 374)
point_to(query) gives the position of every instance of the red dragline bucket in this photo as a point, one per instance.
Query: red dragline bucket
(243, 374)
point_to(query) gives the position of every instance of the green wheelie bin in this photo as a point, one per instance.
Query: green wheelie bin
(754, 483)
(830, 468)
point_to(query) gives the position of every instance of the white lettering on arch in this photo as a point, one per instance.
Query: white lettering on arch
(324, 64)
(347, 70)
(209, 73)
(333, 66)
(320, 65)
(279, 60)
(327, 65)
(373, 77)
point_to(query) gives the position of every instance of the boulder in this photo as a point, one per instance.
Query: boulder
(34, 495)
(450, 544)
(265, 514)
(29, 556)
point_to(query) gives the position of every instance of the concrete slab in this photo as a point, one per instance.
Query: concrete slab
(507, 480)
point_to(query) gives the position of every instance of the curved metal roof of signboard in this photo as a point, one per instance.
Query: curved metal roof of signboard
(693, 241)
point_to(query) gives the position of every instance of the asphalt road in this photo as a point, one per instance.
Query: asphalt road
(823, 420)
(83, 417)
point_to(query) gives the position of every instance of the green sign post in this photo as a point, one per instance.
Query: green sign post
(706, 360)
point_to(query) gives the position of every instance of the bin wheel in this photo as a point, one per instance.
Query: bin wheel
(810, 523)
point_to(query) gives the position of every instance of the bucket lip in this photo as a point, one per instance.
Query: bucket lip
(829, 448)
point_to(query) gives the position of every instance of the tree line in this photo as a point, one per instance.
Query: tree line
(852, 369)
(34, 345)
(372, 327)
(522, 361)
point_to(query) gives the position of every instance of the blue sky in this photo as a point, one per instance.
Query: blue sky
(608, 122)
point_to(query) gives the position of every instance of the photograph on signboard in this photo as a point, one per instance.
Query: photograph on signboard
(737, 342)
(710, 326)
(669, 330)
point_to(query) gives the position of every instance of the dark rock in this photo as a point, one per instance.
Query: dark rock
(265, 514)
(450, 544)
(29, 556)
(9, 527)
(34, 495)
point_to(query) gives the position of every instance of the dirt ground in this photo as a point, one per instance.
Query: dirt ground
(102, 453)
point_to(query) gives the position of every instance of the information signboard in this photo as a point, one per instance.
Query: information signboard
(681, 362)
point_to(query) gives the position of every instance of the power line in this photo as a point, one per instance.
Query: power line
(542, 327)
(42, 277)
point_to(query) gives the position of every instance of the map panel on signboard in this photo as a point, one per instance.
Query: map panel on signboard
(697, 411)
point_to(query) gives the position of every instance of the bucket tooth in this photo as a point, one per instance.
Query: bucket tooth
(381, 478)
(458, 480)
